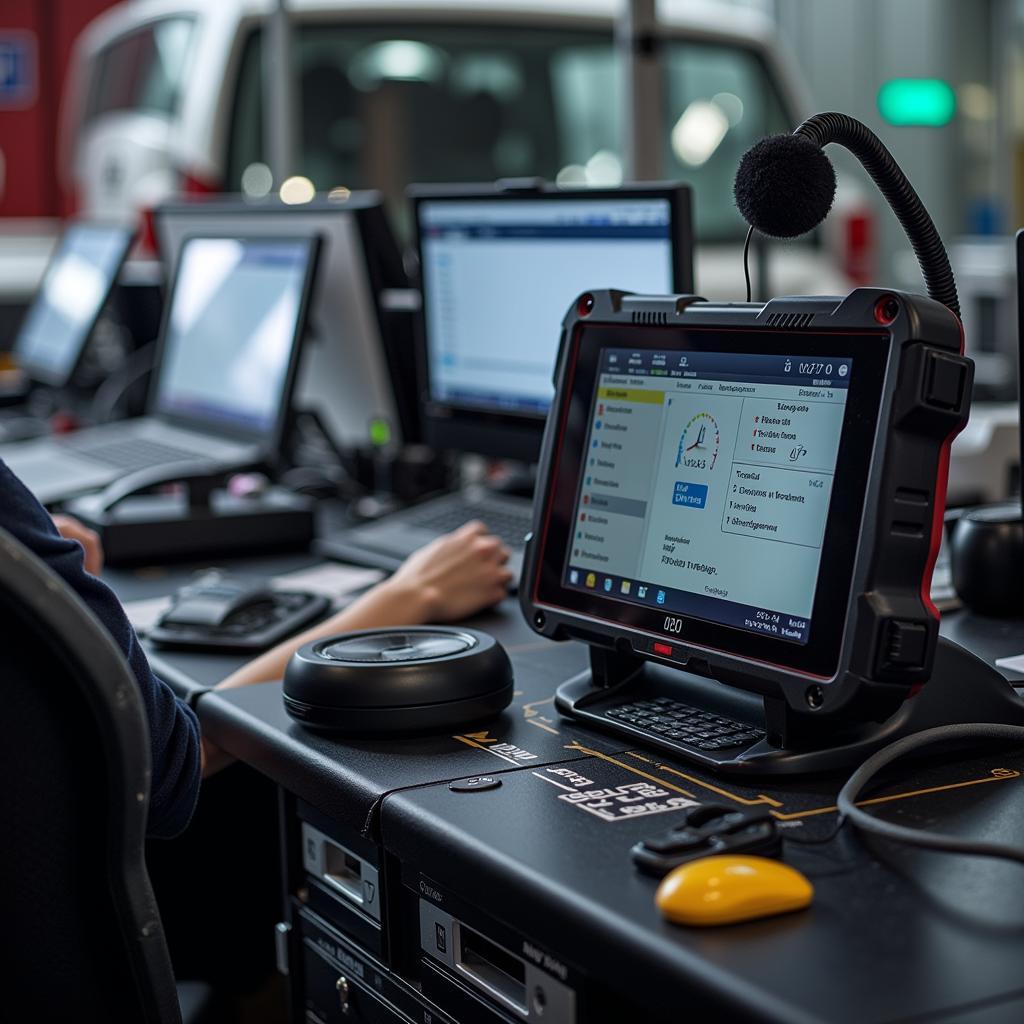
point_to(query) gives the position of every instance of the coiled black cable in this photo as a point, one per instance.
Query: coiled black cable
(899, 193)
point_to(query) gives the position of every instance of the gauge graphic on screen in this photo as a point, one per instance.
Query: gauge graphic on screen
(698, 445)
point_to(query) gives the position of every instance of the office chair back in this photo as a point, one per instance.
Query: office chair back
(82, 935)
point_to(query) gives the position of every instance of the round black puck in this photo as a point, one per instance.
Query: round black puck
(414, 679)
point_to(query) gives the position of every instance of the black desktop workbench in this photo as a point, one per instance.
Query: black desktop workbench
(539, 867)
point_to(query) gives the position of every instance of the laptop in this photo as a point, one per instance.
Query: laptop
(75, 287)
(498, 270)
(351, 365)
(226, 361)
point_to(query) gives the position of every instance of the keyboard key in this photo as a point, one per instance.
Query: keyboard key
(671, 720)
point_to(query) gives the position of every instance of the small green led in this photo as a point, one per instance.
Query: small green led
(380, 433)
(927, 102)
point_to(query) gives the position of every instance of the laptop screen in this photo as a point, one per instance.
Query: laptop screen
(231, 331)
(345, 373)
(498, 277)
(71, 297)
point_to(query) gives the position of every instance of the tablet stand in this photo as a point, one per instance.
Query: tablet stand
(962, 688)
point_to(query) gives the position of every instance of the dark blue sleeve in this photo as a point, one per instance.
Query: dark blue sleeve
(173, 729)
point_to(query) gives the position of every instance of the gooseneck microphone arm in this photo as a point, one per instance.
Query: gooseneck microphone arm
(899, 193)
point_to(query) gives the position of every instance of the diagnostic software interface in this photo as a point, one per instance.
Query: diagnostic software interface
(706, 482)
(73, 290)
(231, 330)
(499, 276)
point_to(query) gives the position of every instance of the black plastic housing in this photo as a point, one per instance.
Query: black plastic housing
(411, 690)
(886, 646)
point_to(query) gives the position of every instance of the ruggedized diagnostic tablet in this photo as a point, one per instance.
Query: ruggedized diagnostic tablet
(738, 509)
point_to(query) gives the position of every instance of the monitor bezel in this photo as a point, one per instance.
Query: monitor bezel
(44, 375)
(454, 427)
(820, 657)
(268, 440)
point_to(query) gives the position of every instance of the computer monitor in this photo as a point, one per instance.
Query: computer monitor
(75, 288)
(350, 371)
(231, 334)
(498, 271)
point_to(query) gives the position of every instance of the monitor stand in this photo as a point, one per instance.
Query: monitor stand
(962, 688)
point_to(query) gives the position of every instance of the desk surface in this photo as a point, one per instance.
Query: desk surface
(893, 935)
(897, 936)
(347, 778)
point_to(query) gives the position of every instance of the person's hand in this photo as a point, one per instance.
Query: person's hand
(451, 578)
(456, 575)
(72, 529)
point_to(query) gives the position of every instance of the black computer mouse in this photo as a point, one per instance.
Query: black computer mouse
(221, 613)
(213, 599)
(399, 680)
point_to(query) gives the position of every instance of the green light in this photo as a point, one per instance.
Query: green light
(380, 433)
(930, 102)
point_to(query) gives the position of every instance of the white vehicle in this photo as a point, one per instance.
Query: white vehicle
(165, 98)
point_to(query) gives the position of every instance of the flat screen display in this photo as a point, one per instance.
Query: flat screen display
(499, 275)
(344, 371)
(707, 483)
(71, 297)
(231, 331)
(704, 479)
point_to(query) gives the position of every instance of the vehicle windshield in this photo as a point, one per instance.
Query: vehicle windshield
(143, 70)
(384, 106)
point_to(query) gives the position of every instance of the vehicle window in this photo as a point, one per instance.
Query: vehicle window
(718, 102)
(383, 106)
(143, 70)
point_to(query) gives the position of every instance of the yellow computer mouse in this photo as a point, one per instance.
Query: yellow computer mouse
(727, 889)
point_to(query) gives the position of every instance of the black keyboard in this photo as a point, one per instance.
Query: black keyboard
(511, 525)
(675, 722)
(133, 454)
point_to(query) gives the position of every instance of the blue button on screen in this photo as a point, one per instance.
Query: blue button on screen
(691, 495)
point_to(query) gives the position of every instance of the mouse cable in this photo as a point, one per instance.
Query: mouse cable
(858, 781)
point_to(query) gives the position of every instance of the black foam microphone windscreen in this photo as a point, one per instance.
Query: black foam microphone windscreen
(785, 186)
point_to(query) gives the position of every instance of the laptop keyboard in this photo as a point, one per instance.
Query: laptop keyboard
(675, 722)
(509, 524)
(130, 455)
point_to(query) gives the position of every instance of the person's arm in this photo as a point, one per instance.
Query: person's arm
(74, 554)
(451, 578)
